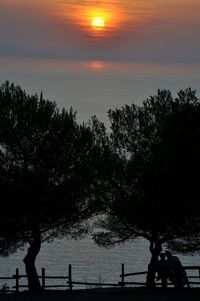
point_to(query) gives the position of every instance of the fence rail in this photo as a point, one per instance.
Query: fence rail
(69, 283)
(123, 275)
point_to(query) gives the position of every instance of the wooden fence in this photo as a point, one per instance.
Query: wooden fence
(124, 275)
(69, 283)
(16, 277)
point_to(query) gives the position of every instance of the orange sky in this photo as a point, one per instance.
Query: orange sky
(134, 29)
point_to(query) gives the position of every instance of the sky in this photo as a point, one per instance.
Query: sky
(133, 30)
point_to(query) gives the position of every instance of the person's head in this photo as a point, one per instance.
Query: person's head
(162, 255)
(168, 254)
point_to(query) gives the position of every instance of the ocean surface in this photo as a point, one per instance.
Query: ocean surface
(90, 263)
(92, 88)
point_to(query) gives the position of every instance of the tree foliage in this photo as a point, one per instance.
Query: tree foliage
(47, 162)
(157, 194)
(142, 176)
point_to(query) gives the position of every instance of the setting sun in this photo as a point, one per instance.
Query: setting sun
(98, 22)
(105, 21)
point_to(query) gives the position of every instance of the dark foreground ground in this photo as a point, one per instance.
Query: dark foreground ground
(192, 294)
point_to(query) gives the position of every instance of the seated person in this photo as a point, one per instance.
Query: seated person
(176, 272)
(162, 270)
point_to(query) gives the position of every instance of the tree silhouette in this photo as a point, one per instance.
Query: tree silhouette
(47, 162)
(156, 194)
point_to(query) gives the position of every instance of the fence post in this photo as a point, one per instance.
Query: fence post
(43, 278)
(122, 277)
(17, 280)
(70, 276)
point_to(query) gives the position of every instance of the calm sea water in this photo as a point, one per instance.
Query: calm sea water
(92, 88)
(89, 262)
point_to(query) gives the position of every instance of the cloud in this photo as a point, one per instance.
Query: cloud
(136, 30)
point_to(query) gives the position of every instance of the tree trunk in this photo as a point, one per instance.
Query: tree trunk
(29, 261)
(155, 249)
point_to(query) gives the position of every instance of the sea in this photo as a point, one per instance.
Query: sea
(92, 88)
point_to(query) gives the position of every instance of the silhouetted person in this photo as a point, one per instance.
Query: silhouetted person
(176, 272)
(162, 270)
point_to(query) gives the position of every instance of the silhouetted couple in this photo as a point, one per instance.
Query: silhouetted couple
(170, 267)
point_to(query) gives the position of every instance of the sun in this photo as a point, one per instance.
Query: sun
(98, 23)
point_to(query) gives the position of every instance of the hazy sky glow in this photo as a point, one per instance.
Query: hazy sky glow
(135, 30)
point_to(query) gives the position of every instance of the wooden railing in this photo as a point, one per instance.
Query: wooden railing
(16, 277)
(69, 283)
(124, 275)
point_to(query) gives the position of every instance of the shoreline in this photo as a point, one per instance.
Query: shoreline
(107, 294)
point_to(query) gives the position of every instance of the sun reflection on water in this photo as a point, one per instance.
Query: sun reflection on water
(96, 65)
